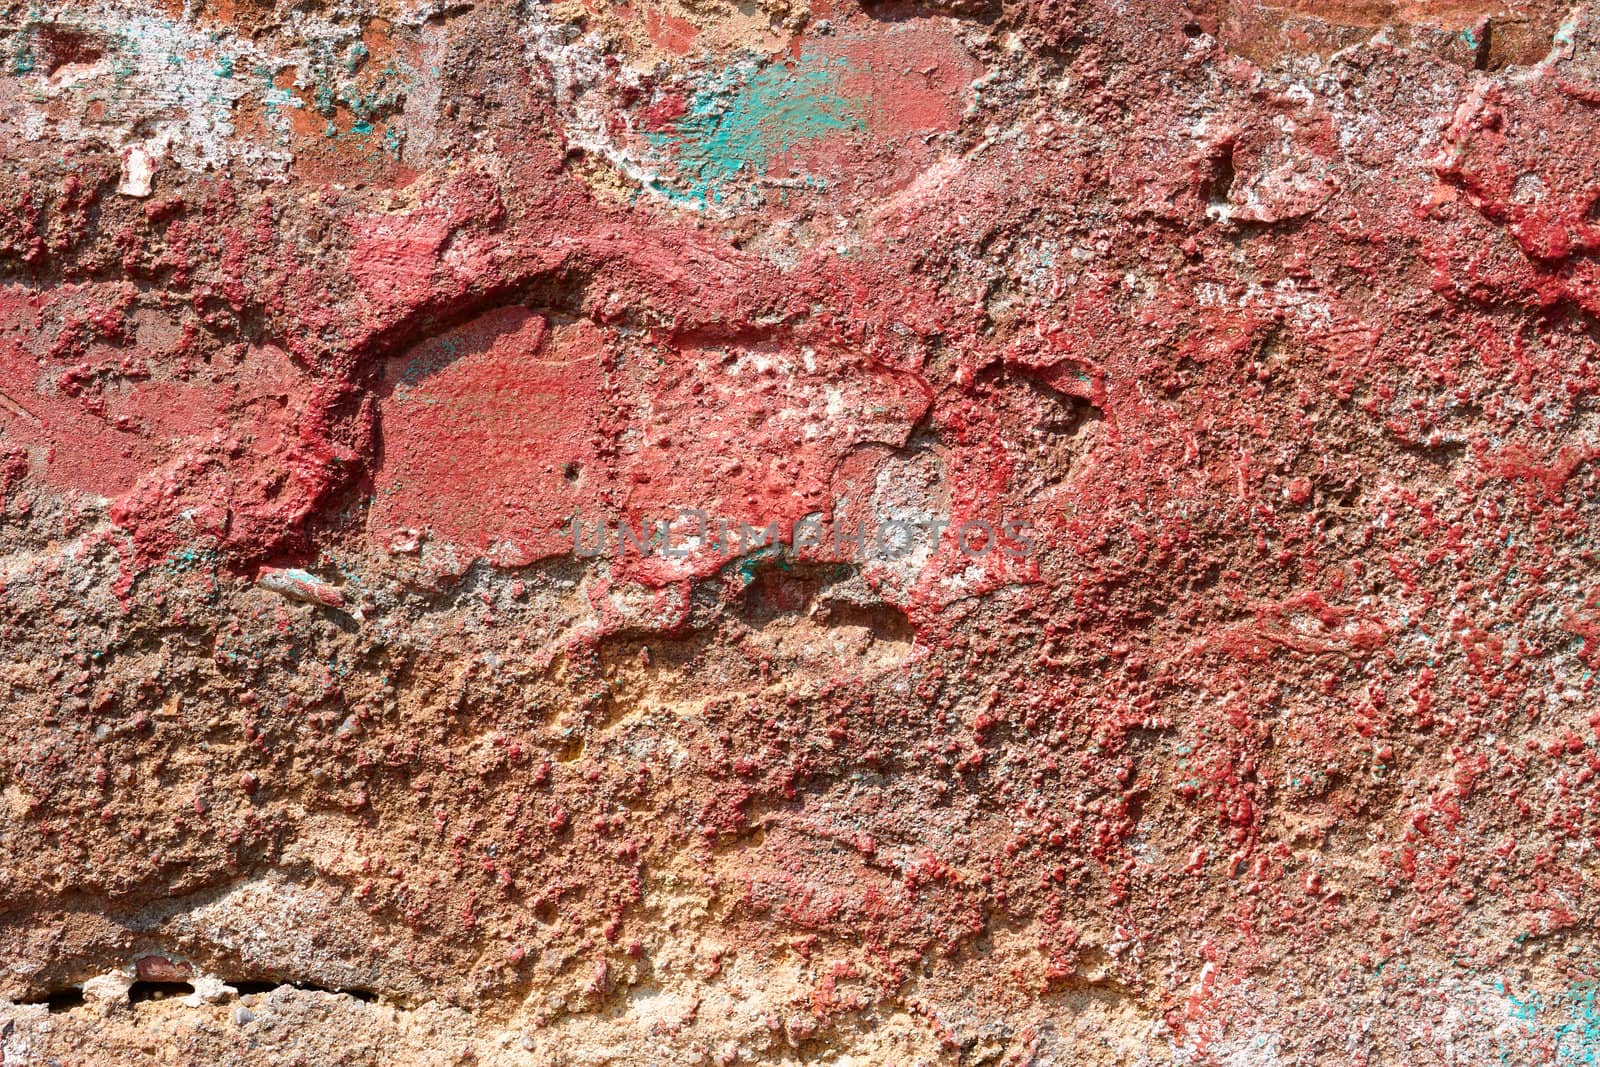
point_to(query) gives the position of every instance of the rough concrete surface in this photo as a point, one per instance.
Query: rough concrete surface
(1254, 341)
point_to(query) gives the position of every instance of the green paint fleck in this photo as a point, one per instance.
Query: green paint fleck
(750, 115)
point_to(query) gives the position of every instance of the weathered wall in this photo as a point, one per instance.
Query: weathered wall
(1272, 738)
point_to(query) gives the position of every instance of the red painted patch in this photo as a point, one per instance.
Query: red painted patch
(492, 435)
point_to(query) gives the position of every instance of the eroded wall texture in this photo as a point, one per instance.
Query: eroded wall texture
(1260, 336)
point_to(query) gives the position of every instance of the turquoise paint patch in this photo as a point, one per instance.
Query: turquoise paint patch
(1578, 1039)
(750, 564)
(1570, 1023)
(748, 116)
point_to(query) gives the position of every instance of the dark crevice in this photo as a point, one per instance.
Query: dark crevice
(1220, 181)
(246, 988)
(59, 1000)
(140, 992)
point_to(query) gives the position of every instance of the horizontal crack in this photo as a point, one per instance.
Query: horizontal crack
(72, 997)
